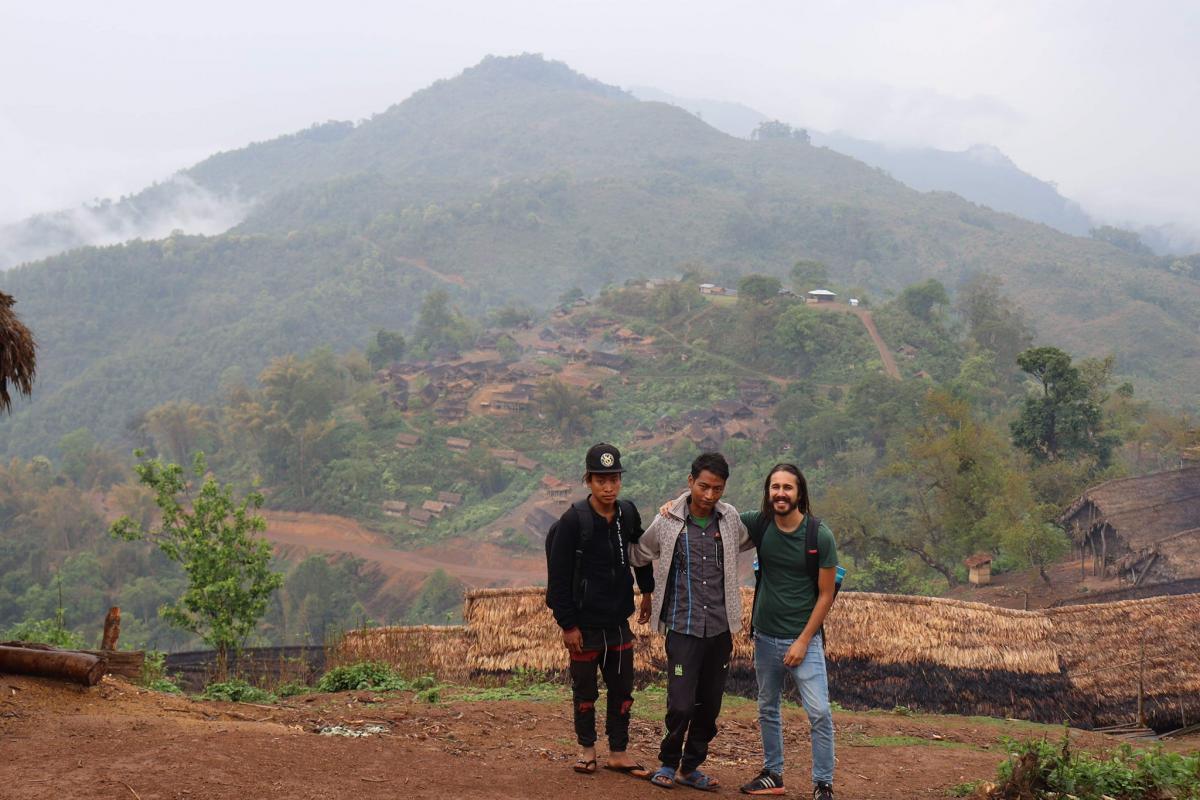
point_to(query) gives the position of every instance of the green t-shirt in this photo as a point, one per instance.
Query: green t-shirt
(786, 595)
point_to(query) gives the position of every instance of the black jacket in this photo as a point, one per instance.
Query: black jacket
(607, 579)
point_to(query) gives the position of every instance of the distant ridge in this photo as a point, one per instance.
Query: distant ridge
(527, 179)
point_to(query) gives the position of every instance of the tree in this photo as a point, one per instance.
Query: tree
(1126, 240)
(213, 538)
(758, 288)
(569, 409)
(994, 323)
(439, 598)
(1036, 544)
(774, 129)
(920, 299)
(387, 348)
(87, 464)
(179, 428)
(1062, 419)
(808, 275)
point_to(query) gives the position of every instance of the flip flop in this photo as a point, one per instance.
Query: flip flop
(663, 778)
(585, 767)
(633, 770)
(698, 780)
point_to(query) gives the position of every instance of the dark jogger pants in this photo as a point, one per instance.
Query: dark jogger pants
(615, 662)
(696, 670)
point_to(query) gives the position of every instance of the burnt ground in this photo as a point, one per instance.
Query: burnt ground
(117, 740)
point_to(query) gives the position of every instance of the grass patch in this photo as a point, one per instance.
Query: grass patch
(523, 684)
(862, 740)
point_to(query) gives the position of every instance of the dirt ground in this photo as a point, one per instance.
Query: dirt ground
(119, 741)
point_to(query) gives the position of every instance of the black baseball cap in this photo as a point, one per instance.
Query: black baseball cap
(603, 459)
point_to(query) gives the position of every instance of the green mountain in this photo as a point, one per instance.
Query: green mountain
(510, 183)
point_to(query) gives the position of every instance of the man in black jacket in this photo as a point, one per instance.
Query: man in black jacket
(593, 607)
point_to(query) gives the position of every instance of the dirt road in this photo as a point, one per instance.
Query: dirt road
(885, 353)
(117, 742)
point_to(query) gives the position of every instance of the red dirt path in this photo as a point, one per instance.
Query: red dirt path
(116, 741)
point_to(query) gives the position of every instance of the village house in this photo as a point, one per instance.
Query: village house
(394, 508)
(450, 499)
(433, 507)
(733, 409)
(555, 488)
(451, 411)
(1147, 527)
(419, 517)
(458, 445)
(406, 440)
(526, 463)
(614, 361)
(821, 296)
(504, 455)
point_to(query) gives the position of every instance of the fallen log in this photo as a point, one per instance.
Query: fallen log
(70, 665)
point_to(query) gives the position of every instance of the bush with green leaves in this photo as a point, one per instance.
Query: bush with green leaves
(236, 691)
(45, 631)
(1055, 770)
(374, 676)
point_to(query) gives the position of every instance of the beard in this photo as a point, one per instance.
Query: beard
(792, 505)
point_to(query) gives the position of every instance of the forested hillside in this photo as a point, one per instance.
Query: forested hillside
(511, 183)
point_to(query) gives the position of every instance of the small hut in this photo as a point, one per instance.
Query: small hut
(821, 296)
(980, 566)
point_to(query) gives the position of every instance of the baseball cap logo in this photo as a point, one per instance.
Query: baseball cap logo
(607, 459)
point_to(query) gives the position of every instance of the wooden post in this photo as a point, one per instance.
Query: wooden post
(112, 629)
(1103, 552)
(1141, 708)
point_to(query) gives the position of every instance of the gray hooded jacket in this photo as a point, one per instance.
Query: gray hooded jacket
(658, 545)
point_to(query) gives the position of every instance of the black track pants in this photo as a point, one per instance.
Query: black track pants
(616, 665)
(696, 670)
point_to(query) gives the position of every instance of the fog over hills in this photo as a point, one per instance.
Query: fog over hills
(981, 174)
(510, 183)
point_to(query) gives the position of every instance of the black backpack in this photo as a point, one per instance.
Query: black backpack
(583, 510)
(812, 558)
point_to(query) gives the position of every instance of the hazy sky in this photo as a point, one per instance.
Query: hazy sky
(100, 99)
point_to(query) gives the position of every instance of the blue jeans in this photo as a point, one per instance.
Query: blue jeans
(810, 679)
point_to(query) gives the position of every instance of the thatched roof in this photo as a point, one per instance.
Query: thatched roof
(1101, 647)
(1142, 510)
(18, 354)
(414, 650)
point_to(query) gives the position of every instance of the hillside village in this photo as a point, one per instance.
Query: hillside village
(581, 347)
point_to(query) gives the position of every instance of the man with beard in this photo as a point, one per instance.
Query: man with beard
(694, 546)
(789, 610)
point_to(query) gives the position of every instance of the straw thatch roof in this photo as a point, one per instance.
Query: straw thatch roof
(1078, 663)
(18, 354)
(1102, 648)
(1141, 511)
(414, 650)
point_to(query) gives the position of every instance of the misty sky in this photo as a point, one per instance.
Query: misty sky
(100, 99)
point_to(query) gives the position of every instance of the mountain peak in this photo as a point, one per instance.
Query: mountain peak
(535, 68)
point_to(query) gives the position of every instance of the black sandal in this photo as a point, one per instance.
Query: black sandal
(587, 767)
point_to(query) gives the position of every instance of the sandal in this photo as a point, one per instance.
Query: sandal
(698, 780)
(585, 767)
(632, 770)
(664, 778)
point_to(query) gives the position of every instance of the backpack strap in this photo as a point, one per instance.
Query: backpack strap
(583, 513)
(812, 559)
(812, 550)
(759, 529)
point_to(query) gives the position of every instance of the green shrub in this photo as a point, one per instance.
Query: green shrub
(1126, 774)
(292, 689)
(45, 631)
(236, 691)
(365, 675)
(163, 685)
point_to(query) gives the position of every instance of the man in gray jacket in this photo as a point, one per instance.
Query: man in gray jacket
(695, 548)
